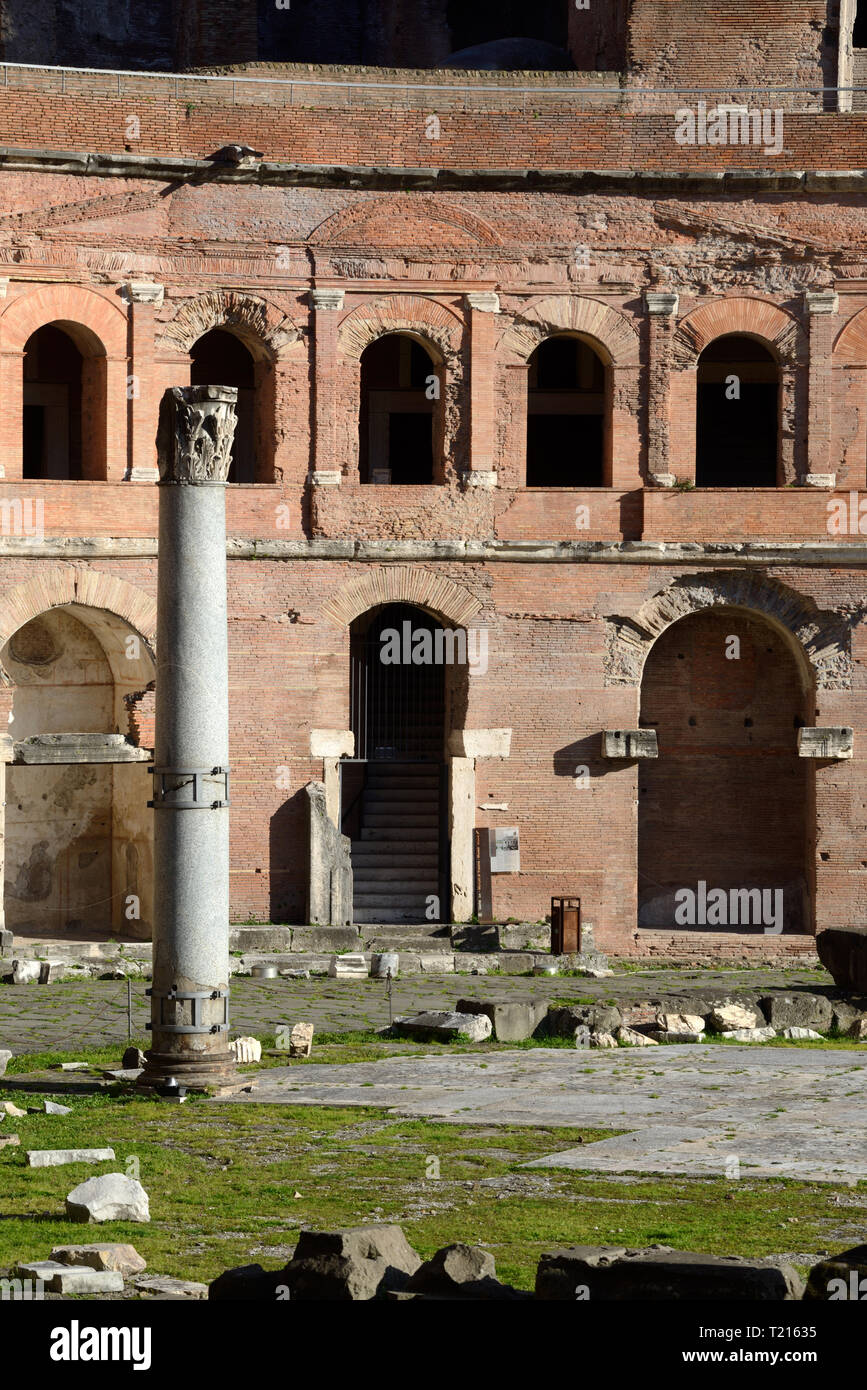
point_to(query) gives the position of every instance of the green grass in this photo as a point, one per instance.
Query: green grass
(222, 1181)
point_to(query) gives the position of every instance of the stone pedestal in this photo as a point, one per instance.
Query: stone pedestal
(189, 995)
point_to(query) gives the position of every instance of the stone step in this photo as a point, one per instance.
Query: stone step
(401, 794)
(395, 915)
(369, 889)
(405, 781)
(397, 817)
(385, 872)
(403, 897)
(376, 854)
(427, 834)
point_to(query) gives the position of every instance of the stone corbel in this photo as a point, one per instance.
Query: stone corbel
(661, 303)
(629, 744)
(327, 299)
(821, 301)
(325, 477)
(331, 745)
(832, 743)
(486, 301)
(143, 292)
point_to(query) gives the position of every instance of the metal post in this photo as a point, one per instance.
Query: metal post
(189, 995)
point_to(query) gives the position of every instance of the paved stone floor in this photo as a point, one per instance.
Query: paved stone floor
(86, 1013)
(690, 1109)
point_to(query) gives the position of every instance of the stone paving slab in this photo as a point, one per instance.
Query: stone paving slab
(691, 1109)
(89, 1013)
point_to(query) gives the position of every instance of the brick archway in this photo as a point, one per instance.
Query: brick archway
(404, 221)
(753, 318)
(260, 326)
(97, 325)
(821, 640)
(399, 584)
(562, 313)
(90, 589)
(401, 313)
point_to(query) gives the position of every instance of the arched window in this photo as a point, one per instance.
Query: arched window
(53, 371)
(400, 397)
(737, 414)
(219, 358)
(859, 31)
(566, 415)
(485, 20)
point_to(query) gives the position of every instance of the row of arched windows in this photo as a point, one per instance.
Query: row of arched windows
(400, 431)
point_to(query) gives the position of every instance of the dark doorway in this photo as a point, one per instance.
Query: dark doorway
(727, 802)
(393, 791)
(737, 415)
(399, 392)
(219, 358)
(565, 415)
(859, 32)
(484, 20)
(52, 445)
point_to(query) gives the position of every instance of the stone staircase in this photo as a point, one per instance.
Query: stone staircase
(396, 859)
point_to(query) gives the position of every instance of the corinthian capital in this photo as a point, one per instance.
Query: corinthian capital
(196, 429)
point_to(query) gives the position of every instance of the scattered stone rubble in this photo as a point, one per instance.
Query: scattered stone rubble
(112, 1197)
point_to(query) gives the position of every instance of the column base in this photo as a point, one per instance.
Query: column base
(198, 1071)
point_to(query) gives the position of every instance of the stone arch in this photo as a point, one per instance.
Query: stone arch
(86, 588)
(264, 329)
(820, 639)
(426, 319)
(437, 594)
(753, 318)
(850, 347)
(562, 313)
(405, 221)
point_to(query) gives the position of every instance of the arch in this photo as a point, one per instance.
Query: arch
(88, 588)
(406, 221)
(431, 322)
(616, 337)
(435, 593)
(821, 640)
(263, 329)
(850, 346)
(96, 323)
(751, 318)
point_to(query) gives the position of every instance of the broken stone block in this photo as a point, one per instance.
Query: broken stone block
(603, 1040)
(26, 972)
(633, 1039)
(599, 1018)
(6, 942)
(857, 1029)
(51, 970)
(750, 1035)
(458, 1270)
(798, 1011)
(726, 1017)
(609, 1273)
(349, 967)
(9, 1141)
(113, 1197)
(54, 1158)
(582, 1036)
(839, 1278)
(444, 1026)
(246, 1283)
(133, 1059)
(167, 1286)
(665, 1035)
(246, 1050)
(510, 1021)
(836, 743)
(297, 1040)
(843, 952)
(53, 1108)
(124, 1259)
(5, 1059)
(680, 1023)
(8, 1107)
(629, 743)
(358, 1264)
(801, 1034)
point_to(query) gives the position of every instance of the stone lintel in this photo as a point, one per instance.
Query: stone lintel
(325, 477)
(64, 749)
(821, 480)
(833, 743)
(332, 743)
(480, 743)
(629, 743)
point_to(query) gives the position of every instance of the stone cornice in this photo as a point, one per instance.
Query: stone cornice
(674, 183)
(746, 554)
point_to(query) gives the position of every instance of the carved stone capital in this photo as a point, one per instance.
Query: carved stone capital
(327, 299)
(143, 292)
(196, 429)
(821, 301)
(661, 303)
(485, 300)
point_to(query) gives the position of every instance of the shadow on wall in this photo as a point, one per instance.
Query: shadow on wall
(288, 860)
